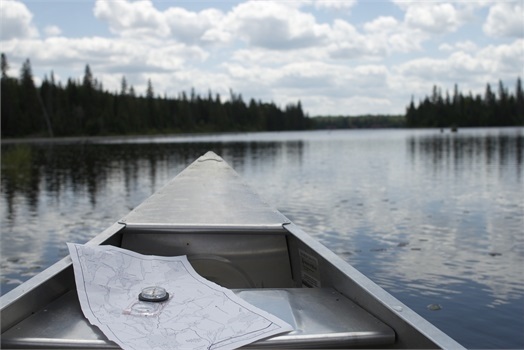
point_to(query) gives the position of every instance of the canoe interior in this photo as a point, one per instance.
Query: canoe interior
(268, 261)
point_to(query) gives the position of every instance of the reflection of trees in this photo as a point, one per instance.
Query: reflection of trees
(453, 151)
(18, 175)
(87, 168)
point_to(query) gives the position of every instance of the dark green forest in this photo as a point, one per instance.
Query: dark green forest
(503, 108)
(84, 108)
(359, 122)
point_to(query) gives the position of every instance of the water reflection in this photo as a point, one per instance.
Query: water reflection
(469, 150)
(86, 168)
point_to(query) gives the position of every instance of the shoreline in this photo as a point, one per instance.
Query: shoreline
(205, 135)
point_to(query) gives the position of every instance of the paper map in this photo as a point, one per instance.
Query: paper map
(198, 315)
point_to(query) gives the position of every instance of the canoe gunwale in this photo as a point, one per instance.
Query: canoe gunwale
(364, 292)
(196, 228)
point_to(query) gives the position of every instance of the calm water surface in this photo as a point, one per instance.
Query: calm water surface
(434, 218)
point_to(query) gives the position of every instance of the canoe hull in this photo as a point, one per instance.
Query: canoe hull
(234, 239)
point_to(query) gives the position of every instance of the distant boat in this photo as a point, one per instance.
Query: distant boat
(234, 239)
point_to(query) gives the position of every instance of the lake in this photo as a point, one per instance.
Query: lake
(434, 217)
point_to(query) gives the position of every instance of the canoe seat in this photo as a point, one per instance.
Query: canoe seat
(321, 317)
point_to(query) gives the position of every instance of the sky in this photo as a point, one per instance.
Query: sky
(343, 57)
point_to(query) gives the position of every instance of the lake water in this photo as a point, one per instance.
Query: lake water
(435, 218)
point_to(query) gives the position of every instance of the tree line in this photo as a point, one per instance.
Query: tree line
(492, 109)
(359, 122)
(83, 107)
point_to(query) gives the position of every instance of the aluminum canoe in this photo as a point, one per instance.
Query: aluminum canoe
(233, 238)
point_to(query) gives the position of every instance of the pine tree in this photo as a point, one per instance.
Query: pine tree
(150, 93)
(4, 65)
(88, 78)
(29, 121)
(503, 109)
(123, 86)
(9, 103)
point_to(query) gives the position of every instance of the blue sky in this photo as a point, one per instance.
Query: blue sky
(343, 57)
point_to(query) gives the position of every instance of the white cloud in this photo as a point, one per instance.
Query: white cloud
(133, 19)
(468, 68)
(16, 21)
(190, 27)
(445, 47)
(434, 18)
(505, 60)
(505, 19)
(347, 43)
(335, 4)
(467, 46)
(393, 36)
(381, 24)
(308, 75)
(438, 71)
(275, 26)
(103, 54)
(52, 30)
(380, 38)
(272, 58)
(62, 51)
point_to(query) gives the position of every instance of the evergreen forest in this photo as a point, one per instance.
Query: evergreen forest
(84, 108)
(359, 122)
(503, 108)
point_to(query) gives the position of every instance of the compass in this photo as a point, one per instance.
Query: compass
(153, 294)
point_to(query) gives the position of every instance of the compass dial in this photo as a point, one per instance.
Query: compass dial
(153, 294)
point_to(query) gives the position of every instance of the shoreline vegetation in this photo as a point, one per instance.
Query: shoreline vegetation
(83, 109)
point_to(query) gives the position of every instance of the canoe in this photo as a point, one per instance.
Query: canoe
(231, 237)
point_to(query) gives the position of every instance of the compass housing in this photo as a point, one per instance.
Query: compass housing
(153, 294)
